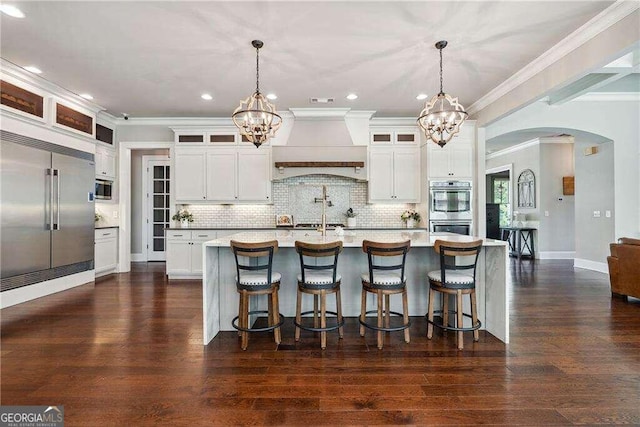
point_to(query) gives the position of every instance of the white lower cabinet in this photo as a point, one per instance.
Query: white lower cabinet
(106, 251)
(184, 252)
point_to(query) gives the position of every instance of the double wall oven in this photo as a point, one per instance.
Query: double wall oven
(450, 207)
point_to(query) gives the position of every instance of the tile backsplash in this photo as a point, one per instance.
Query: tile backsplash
(296, 196)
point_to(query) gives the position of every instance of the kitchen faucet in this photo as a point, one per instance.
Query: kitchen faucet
(323, 200)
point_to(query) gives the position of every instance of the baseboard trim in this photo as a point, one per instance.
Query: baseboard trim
(38, 290)
(557, 255)
(138, 257)
(591, 265)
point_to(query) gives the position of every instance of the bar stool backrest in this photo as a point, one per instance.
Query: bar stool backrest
(379, 249)
(319, 250)
(245, 252)
(454, 254)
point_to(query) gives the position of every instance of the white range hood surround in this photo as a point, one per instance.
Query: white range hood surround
(323, 135)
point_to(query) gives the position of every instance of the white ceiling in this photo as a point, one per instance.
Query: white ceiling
(152, 59)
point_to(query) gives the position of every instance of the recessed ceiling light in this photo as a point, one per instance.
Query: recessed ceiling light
(352, 96)
(422, 96)
(272, 96)
(11, 11)
(86, 96)
(32, 69)
(206, 97)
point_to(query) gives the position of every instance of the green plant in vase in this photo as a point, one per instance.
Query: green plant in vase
(184, 217)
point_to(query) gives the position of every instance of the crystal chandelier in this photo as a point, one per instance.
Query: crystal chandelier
(443, 115)
(256, 117)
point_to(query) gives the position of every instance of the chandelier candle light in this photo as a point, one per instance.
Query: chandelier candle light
(256, 117)
(443, 115)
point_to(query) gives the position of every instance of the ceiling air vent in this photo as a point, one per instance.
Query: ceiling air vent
(321, 100)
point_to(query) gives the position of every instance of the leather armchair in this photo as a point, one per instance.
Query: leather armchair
(624, 267)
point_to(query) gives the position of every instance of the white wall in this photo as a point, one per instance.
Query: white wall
(141, 133)
(616, 121)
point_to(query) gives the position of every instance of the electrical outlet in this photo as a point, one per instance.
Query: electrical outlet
(596, 214)
(607, 214)
(546, 213)
(115, 214)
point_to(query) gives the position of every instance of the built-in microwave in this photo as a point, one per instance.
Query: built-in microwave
(104, 189)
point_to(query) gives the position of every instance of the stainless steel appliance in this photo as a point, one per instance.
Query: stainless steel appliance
(46, 209)
(451, 206)
(104, 189)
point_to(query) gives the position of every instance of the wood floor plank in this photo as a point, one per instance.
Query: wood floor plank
(127, 350)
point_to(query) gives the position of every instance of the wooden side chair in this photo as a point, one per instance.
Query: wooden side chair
(319, 277)
(456, 276)
(383, 280)
(254, 276)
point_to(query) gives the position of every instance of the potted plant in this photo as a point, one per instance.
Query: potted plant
(184, 217)
(411, 218)
(351, 218)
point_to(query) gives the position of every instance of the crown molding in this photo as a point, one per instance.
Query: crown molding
(319, 113)
(605, 19)
(18, 73)
(531, 143)
(610, 96)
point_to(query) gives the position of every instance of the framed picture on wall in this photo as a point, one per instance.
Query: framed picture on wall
(527, 189)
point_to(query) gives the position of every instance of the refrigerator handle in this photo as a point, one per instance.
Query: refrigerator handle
(56, 224)
(50, 215)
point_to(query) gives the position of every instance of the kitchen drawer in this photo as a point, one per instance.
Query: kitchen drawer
(179, 235)
(203, 235)
(106, 234)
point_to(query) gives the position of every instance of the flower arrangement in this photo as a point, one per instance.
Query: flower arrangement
(98, 217)
(350, 213)
(410, 214)
(183, 215)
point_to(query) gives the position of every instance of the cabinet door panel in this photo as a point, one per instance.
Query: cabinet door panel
(381, 175)
(189, 182)
(253, 175)
(196, 256)
(406, 178)
(178, 257)
(438, 159)
(106, 254)
(461, 161)
(110, 164)
(221, 175)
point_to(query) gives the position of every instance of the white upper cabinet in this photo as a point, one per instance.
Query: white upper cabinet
(105, 160)
(394, 136)
(454, 160)
(394, 175)
(223, 175)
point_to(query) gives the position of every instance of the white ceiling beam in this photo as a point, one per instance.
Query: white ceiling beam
(588, 83)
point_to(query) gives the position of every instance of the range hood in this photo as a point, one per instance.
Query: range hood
(324, 141)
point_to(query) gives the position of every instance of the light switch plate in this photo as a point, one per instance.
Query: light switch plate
(607, 214)
(596, 214)
(546, 213)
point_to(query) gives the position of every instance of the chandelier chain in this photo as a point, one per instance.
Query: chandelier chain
(257, 70)
(441, 91)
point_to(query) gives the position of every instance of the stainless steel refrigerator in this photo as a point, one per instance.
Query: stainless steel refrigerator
(46, 211)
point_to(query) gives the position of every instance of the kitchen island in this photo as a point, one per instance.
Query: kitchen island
(220, 298)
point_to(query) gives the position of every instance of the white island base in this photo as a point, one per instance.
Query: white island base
(220, 298)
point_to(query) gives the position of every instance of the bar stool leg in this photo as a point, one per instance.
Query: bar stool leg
(432, 295)
(339, 311)
(315, 311)
(445, 310)
(380, 297)
(405, 310)
(387, 323)
(474, 315)
(459, 318)
(240, 313)
(298, 315)
(245, 319)
(276, 314)
(323, 318)
(363, 311)
(270, 309)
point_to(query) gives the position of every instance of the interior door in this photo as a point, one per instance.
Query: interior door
(159, 182)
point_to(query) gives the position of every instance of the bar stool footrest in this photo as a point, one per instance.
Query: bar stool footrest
(377, 328)
(453, 328)
(234, 323)
(338, 325)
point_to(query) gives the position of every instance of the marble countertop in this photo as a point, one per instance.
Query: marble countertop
(102, 227)
(288, 237)
(291, 228)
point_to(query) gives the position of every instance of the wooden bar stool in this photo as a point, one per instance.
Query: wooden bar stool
(456, 276)
(319, 279)
(256, 278)
(383, 280)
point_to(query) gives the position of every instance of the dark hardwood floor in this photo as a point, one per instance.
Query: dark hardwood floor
(128, 351)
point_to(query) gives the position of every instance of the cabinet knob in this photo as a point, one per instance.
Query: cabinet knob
(204, 197)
